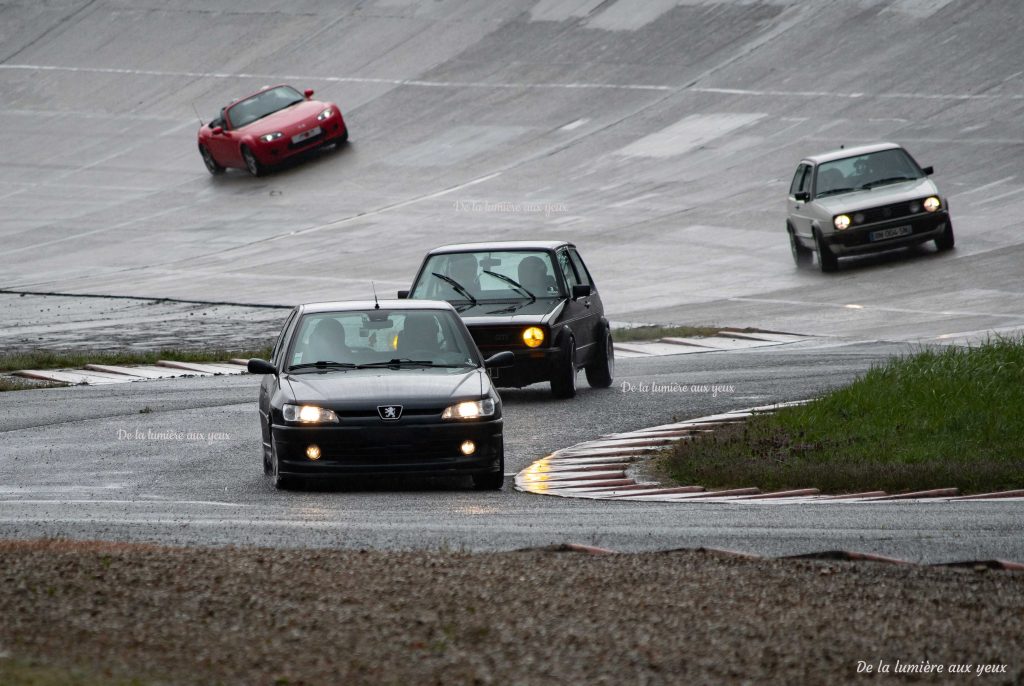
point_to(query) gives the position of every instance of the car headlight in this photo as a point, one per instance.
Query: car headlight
(533, 336)
(309, 414)
(932, 204)
(271, 136)
(325, 114)
(470, 409)
(842, 222)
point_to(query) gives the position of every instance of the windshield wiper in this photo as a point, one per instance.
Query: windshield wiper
(398, 362)
(459, 288)
(322, 364)
(882, 182)
(512, 282)
(833, 191)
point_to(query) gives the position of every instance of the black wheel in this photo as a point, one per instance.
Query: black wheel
(491, 481)
(344, 137)
(602, 369)
(280, 481)
(801, 256)
(563, 380)
(252, 164)
(827, 262)
(947, 240)
(211, 164)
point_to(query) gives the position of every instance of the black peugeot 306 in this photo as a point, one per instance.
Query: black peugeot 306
(536, 299)
(379, 388)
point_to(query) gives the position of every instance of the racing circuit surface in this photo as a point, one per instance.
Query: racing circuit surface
(659, 135)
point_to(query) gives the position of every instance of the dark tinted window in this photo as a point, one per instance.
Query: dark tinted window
(581, 269)
(260, 105)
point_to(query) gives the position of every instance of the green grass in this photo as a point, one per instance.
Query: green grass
(53, 359)
(14, 383)
(952, 418)
(654, 332)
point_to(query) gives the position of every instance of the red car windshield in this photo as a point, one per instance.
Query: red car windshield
(260, 105)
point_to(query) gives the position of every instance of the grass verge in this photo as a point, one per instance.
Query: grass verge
(28, 673)
(654, 332)
(56, 359)
(930, 420)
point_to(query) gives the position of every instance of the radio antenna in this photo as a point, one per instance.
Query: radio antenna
(197, 115)
(376, 303)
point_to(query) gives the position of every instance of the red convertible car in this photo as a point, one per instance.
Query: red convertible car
(267, 128)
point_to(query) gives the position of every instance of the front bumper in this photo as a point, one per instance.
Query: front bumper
(332, 130)
(857, 240)
(532, 366)
(393, 448)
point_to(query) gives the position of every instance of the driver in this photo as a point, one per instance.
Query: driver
(463, 268)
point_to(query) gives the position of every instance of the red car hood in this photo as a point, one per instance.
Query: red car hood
(289, 121)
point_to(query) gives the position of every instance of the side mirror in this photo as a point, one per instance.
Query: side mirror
(403, 295)
(258, 366)
(929, 170)
(502, 359)
(308, 93)
(581, 291)
(218, 130)
(802, 196)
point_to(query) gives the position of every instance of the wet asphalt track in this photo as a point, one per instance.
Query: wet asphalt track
(73, 466)
(660, 136)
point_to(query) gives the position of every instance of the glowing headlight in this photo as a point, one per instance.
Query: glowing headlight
(471, 409)
(271, 136)
(533, 336)
(325, 114)
(842, 222)
(932, 204)
(309, 414)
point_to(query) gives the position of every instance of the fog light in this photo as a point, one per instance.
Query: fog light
(468, 447)
(313, 452)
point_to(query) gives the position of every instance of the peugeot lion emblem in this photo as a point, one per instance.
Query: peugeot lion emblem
(389, 411)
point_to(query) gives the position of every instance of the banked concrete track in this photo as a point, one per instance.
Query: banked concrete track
(658, 134)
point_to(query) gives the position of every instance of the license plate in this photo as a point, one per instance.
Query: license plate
(894, 232)
(305, 135)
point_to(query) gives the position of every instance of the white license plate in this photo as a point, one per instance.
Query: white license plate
(894, 232)
(305, 135)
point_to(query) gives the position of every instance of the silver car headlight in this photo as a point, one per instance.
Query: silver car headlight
(271, 136)
(470, 409)
(842, 222)
(309, 414)
(932, 204)
(325, 114)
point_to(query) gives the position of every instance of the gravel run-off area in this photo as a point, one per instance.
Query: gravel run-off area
(267, 616)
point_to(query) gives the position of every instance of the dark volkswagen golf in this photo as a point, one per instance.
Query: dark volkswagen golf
(534, 298)
(379, 388)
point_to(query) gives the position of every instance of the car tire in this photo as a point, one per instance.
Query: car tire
(801, 256)
(491, 481)
(280, 481)
(343, 139)
(252, 165)
(211, 164)
(827, 262)
(947, 241)
(602, 369)
(563, 380)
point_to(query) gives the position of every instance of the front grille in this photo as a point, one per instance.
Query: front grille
(406, 412)
(504, 337)
(889, 212)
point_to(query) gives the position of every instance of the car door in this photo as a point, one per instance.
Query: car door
(270, 382)
(225, 146)
(797, 210)
(578, 314)
(592, 304)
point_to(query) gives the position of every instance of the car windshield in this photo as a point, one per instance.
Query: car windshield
(260, 105)
(863, 172)
(488, 276)
(348, 340)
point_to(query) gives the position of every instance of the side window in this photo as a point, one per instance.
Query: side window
(581, 269)
(276, 352)
(800, 180)
(565, 264)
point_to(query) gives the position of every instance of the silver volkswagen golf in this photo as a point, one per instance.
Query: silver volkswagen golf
(864, 199)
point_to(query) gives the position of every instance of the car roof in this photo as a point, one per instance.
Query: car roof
(499, 245)
(850, 152)
(357, 305)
